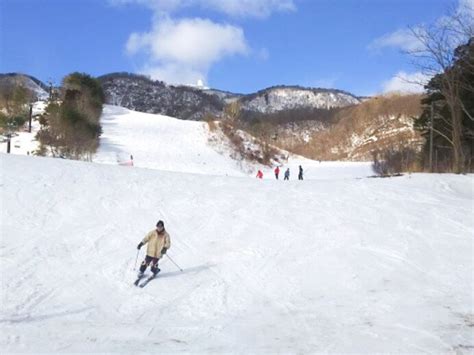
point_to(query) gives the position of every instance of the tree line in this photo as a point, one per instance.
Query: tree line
(447, 121)
(446, 55)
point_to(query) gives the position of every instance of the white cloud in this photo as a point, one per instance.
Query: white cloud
(409, 40)
(406, 39)
(403, 39)
(238, 8)
(174, 73)
(182, 51)
(406, 83)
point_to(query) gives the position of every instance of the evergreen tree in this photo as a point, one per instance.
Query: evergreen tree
(460, 76)
(71, 125)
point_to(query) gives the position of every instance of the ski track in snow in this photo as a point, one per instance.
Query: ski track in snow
(338, 263)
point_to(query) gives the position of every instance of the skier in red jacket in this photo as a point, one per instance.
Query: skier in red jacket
(277, 172)
(259, 174)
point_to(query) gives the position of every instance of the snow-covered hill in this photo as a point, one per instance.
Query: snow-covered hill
(166, 143)
(145, 95)
(283, 98)
(331, 265)
(379, 124)
(142, 94)
(37, 88)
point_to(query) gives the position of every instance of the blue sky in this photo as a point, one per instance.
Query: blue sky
(235, 45)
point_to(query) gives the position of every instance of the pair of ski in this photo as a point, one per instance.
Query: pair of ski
(144, 283)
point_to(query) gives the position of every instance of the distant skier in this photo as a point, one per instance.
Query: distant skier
(158, 243)
(287, 174)
(277, 172)
(259, 174)
(300, 174)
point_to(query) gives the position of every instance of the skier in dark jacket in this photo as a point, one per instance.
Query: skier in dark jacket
(300, 174)
(287, 174)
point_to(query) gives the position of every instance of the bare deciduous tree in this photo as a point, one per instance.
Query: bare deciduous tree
(232, 111)
(437, 56)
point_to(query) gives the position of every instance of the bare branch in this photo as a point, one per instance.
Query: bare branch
(465, 110)
(443, 135)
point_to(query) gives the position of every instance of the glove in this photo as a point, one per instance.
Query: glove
(163, 251)
(139, 245)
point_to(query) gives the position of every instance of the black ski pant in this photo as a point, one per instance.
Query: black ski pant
(150, 260)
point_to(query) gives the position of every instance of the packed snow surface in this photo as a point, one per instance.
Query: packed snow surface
(336, 264)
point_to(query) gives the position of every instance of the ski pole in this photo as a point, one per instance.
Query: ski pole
(135, 267)
(174, 262)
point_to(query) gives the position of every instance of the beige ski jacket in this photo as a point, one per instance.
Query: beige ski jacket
(156, 242)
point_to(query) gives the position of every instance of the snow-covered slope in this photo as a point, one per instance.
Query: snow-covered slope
(159, 142)
(166, 143)
(339, 265)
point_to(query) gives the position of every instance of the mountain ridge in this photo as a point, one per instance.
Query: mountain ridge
(141, 93)
(125, 89)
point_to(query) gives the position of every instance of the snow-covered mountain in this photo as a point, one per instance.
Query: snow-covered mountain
(225, 96)
(140, 93)
(355, 132)
(317, 123)
(281, 98)
(37, 88)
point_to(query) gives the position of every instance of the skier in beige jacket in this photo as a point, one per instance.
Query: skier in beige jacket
(158, 243)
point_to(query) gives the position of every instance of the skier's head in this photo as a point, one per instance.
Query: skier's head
(160, 226)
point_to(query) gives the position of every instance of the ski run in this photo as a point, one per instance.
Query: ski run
(337, 263)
